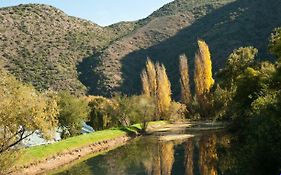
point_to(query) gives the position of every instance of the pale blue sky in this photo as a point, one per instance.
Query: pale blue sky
(102, 12)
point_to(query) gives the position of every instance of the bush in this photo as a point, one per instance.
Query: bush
(72, 112)
(101, 113)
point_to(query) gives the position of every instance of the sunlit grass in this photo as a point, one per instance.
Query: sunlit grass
(42, 152)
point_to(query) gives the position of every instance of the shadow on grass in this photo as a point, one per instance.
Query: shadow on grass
(131, 130)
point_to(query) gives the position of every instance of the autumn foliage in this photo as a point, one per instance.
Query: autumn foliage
(203, 75)
(163, 91)
(155, 84)
(203, 69)
(186, 96)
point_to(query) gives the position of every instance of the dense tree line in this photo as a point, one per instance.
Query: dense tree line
(247, 93)
(253, 97)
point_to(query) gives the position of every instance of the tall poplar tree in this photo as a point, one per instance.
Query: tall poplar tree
(184, 81)
(145, 84)
(163, 94)
(151, 74)
(203, 75)
(155, 84)
(203, 69)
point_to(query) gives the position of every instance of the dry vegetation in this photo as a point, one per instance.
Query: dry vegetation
(49, 49)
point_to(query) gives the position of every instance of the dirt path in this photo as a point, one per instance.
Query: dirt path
(68, 157)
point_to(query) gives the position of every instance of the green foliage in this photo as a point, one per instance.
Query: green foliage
(143, 110)
(8, 159)
(23, 111)
(236, 63)
(120, 111)
(236, 72)
(134, 109)
(255, 111)
(101, 113)
(275, 42)
(220, 100)
(73, 111)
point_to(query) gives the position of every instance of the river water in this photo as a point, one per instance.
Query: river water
(161, 153)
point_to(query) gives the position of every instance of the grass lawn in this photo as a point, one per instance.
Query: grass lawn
(42, 152)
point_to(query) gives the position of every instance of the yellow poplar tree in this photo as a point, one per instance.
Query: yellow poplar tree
(155, 84)
(203, 74)
(145, 84)
(149, 82)
(203, 69)
(163, 94)
(198, 76)
(151, 74)
(184, 81)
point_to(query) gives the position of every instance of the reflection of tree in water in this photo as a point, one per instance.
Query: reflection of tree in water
(162, 160)
(149, 156)
(131, 155)
(189, 148)
(167, 157)
(208, 157)
(152, 164)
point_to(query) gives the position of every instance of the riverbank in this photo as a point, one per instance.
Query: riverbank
(40, 159)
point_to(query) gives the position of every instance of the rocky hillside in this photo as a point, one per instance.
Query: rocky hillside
(115, 70)
(174, 29)
(42, 45)
(49, 49)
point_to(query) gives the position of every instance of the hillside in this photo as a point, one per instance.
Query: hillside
(173, 30)
(42, 45)
(112, 68)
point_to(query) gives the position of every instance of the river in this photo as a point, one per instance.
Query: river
(183, 151)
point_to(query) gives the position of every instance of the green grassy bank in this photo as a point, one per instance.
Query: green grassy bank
(37, 153)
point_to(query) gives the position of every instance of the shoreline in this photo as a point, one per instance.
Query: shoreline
(63, 159)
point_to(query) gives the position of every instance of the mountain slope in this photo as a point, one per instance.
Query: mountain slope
(108, 73)
(42, 45)
(225, 25)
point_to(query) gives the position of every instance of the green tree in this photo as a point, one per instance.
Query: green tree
(123, 111)
(275, 42)
(144, 108)
(236, 63)
(72, 112)
(254, 107)
(23, 110)
(102, 115)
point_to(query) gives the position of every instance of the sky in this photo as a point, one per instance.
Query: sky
(102, 12)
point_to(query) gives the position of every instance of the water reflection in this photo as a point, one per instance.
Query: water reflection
(189, 149)
(208, 155)
(149, 156)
